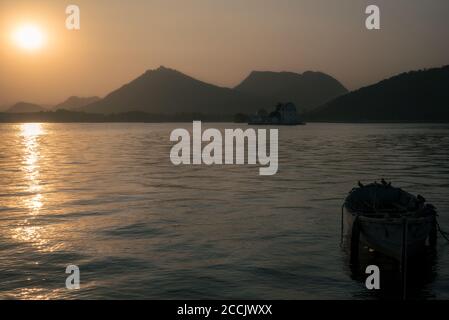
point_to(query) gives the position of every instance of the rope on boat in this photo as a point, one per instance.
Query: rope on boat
(404, 257)
(342, 224)
(444, 234)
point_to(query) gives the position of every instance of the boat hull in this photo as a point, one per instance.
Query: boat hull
(276, 124)
(386, 234)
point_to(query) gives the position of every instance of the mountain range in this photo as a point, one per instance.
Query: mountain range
(421, 95)
(167, 91)
(72, 103)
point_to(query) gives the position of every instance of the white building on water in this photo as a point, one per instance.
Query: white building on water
(285, 114)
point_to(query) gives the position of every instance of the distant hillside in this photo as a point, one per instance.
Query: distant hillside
(25, 107)
(413, 96)
(167, 91)
(307, 90)
(74, 102)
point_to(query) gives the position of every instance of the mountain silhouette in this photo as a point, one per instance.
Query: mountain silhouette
(307, 90)
(167, 91)
(412, 96)
(74, 102)
(25, 107)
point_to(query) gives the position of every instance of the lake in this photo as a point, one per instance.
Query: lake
(107, 198)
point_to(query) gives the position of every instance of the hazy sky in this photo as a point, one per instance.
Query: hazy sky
(218, 41)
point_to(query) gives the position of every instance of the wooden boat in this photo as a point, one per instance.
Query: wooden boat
(389, 220)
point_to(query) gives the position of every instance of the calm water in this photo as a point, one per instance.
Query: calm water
(106, 197)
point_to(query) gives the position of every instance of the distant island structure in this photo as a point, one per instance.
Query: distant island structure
(284, 114)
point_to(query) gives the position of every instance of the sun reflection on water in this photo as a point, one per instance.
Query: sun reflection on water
(37, 294)
(31, 129)
(33, 200)
(30, 132)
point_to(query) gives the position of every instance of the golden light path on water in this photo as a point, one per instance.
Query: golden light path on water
(34, 201)
(30, 133)
(28, 230)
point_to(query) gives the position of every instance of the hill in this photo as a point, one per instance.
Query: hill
(73, 103)
(412, 96)
(167, 91)
(25, 107)
(307, 90)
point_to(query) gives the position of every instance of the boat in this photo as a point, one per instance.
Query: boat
(389, 220)
(285, 114)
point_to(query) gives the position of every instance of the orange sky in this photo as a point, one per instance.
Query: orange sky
(218, 41)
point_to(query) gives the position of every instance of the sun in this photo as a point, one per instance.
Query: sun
(29, 37)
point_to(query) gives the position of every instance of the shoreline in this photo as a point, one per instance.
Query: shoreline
(64, 116)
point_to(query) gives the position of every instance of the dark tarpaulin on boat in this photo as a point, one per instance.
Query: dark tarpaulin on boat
(382, 197)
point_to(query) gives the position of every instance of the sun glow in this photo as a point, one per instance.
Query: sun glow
(29, 37)
(31, 130)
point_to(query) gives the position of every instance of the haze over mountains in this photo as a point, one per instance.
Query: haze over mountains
(25, 107)
(167, 91)
(412, 96)
(74, 102)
